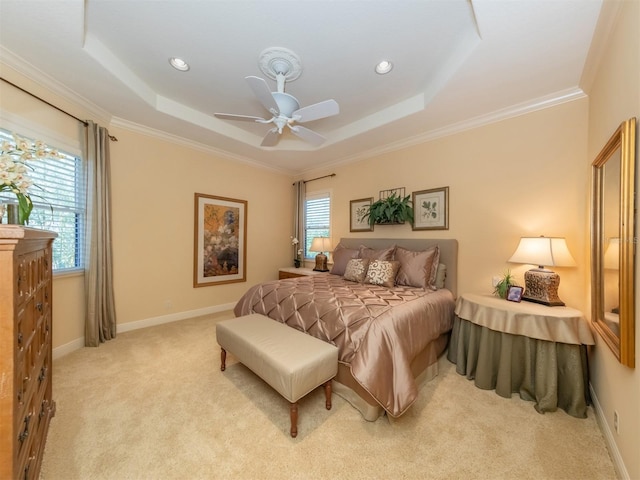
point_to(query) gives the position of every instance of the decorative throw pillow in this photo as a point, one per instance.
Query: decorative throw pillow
(382, 272)
(356, 269)
(441, 275)
(418, 269)
(372, 254)
(341, 256)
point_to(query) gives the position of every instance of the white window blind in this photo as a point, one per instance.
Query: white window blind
(58, 197)
(317, 214)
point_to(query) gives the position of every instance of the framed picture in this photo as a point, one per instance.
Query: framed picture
(220, 239)
(431, 209)
(514, 294)
(358, 209)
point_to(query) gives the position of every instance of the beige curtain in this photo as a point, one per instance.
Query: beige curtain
(298, 219)
(100, 324)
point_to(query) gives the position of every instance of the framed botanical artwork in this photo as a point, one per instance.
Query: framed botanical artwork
(220, 240)
(358, 219)
(514, 294)
(431, 209)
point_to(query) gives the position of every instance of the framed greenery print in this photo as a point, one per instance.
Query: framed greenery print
(220, 239)
(431, 209)
(358, 221)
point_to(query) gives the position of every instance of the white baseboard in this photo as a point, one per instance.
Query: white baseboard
(67, 348)
(78, 343)
(618, 463)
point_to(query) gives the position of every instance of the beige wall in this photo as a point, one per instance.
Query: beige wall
(153, 183)
(614, 96)
(522, 176)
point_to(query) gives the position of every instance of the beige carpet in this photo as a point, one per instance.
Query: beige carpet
(153, 404)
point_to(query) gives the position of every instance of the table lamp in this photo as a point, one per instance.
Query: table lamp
(612, 254)
(321, 244)
(541, 284)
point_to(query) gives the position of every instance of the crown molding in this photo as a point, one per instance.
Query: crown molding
(524, 108)
(178, 140)
(24, 68)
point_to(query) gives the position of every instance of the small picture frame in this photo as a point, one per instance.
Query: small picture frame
(358, 218)
(431, 209)
(514, 294)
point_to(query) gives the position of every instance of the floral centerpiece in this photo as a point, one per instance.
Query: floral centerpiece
(297, 252)
(14, 169)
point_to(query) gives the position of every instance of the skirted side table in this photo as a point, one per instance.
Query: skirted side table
(537, 351)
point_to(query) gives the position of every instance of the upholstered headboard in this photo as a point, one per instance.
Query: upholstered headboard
(448, 252)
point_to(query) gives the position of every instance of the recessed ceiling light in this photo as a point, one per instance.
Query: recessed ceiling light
(383, 67)
(179, 64)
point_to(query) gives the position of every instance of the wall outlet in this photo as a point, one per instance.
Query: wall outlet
(495, 280)
(616, 422)
(168, 304)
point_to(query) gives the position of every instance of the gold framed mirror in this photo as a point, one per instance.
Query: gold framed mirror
(613, 243)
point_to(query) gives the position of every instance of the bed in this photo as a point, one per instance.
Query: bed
(389, 333)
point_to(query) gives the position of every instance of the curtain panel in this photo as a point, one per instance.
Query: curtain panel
(100, 324)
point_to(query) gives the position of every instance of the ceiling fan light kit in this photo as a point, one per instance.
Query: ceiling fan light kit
(282, 65)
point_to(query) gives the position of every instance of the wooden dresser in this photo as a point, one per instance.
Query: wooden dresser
(26, 404)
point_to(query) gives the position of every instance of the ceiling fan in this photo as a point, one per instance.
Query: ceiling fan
(283, 65)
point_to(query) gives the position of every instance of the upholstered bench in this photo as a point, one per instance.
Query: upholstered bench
(290, 361)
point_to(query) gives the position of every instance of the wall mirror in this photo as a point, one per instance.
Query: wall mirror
(613, 243)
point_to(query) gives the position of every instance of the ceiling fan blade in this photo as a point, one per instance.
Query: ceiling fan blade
(261, 90)
(308, 135)
(271, 138)
(316, 111)
(245, 118)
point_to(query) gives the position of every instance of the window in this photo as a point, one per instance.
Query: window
(58, 204)
(317, 216)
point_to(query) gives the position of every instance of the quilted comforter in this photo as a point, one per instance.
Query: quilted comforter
(378, 330)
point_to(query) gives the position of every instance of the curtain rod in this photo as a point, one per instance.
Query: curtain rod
(84, 122)
(317, 178)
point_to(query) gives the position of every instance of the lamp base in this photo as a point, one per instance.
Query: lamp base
(541, 286)
(321, 263)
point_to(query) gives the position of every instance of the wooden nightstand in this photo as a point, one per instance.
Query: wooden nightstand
(292, 272)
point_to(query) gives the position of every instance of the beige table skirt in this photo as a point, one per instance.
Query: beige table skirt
(551, 374)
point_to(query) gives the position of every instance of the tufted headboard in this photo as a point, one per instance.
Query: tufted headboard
(448, 251)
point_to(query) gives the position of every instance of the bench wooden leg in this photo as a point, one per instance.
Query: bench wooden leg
(294, 419)
(327, 393)
(223, 359)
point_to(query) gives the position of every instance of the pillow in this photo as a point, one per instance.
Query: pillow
(356, 269)
(341, 256)
(418, 269)
(371, 254)
(382, 272)
(441, 275)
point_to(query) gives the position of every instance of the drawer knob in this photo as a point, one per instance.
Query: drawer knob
(19, 338)
(39, 306)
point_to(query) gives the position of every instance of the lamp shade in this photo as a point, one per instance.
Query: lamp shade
(612, 254)
(543, 251)
(321, 244)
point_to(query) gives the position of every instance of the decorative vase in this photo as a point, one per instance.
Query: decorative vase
(296, 262)
(13, 214)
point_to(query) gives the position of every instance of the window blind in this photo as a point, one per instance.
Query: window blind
(317, 219)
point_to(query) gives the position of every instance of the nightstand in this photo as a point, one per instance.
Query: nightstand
(537, 351)
(292, 272)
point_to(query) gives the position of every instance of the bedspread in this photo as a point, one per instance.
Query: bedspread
(378, 330)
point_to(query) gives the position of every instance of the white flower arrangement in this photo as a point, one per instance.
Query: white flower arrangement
(297, 252)
(14, 170)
